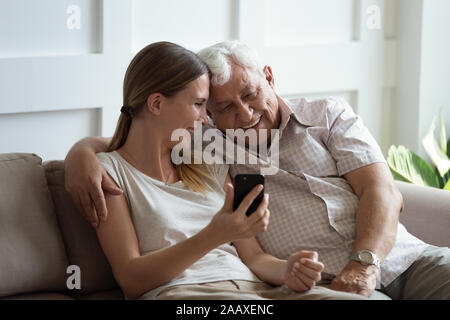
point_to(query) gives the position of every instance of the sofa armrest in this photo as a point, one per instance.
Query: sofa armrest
(426, 214)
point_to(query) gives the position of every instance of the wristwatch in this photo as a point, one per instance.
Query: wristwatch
(366, 258)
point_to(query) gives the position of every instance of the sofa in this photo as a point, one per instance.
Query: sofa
(42, 234)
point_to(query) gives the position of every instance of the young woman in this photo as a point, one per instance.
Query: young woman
(173, 233)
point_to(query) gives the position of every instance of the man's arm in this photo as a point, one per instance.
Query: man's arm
(95, 144)
(378, 210)
(86, 180)
(376, 224)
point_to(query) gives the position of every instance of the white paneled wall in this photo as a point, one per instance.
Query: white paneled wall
(194, 24)
(50, 133)
(293, 22)
(61, 68)
(59, 84)
(43, 28)
(423, 70)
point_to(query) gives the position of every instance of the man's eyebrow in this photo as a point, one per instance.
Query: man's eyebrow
(201, 99)
(221, 103)
(227, 101)
(245, 89)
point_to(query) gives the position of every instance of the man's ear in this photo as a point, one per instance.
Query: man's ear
(269, 75)
(154, 103)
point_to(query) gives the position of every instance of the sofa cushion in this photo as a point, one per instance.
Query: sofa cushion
(115, 294)
(426, 214)
(32, 253)
(39, 296)
(83, 248)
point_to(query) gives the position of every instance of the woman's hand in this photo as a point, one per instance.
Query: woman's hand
(303, 270)
(228, 225)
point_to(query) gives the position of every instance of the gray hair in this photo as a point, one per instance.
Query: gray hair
(220, 56)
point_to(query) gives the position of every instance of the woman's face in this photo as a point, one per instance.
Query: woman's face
(187, 106)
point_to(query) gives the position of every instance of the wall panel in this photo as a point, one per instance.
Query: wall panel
(30, 28)
(292, 22)
(194, 24)
(48, 134)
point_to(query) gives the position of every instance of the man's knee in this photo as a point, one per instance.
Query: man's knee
(427, 278)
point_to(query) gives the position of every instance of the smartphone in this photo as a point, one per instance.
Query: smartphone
(243, 184)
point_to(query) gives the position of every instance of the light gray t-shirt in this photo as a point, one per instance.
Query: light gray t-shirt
(164, 215)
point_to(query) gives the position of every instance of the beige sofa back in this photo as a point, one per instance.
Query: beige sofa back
(41, 232)
(80, 239)
(32, 253)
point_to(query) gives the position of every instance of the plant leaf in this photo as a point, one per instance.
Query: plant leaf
(441, 179)
(448, 148)
(447, 186)
(443, 135)
(440, 159)
(407, 166)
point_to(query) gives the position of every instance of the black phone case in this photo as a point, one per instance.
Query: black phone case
(243, 184)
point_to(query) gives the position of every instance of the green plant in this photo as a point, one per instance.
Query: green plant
(407, 166)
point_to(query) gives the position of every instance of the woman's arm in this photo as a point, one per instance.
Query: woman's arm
(267, 267)
(138, 274)
(300, 272)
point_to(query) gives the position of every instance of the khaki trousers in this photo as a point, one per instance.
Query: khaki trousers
(248, 290)
(428, 278)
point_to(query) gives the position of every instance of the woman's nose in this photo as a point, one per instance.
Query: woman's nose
(204, 120)
(203, 117)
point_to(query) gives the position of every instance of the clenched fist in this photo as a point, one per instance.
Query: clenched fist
(303, 271)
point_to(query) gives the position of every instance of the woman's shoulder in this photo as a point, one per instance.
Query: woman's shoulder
(107, 155)
(111, 161)
(109, 158)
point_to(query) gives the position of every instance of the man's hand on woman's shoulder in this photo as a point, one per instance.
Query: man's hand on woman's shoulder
(86, 180)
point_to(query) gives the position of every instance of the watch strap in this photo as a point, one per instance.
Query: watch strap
(375, 259)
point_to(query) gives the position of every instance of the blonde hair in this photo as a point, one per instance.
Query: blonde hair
(165, 68)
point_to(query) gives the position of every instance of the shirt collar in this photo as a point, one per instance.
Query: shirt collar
(294, 108)
(287, 109)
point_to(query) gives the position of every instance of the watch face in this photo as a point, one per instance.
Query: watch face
(365, 257)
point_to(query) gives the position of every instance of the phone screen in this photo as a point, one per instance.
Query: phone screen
(243, 184)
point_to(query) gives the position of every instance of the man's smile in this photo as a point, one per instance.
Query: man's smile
(253, 124)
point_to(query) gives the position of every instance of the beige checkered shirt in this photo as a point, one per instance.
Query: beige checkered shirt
(312, 205)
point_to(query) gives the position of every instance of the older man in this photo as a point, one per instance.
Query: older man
(332, 193)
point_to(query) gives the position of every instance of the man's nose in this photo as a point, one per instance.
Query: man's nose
(245, 112)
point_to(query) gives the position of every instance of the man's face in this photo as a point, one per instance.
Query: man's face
(246, 101)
